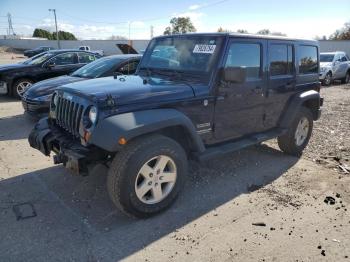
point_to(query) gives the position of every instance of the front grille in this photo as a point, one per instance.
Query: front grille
(68, 115)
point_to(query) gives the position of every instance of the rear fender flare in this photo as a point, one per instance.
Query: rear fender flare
(296, 102)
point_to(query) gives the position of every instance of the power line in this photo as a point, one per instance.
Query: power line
(146, 19)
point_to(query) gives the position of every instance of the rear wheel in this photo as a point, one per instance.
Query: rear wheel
(346, 79)
(147, 176)
(20, 86)
(298, 135)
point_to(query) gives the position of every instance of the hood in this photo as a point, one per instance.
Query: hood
(131, 89)
(9, 67)
(48, 86)
(326, 64)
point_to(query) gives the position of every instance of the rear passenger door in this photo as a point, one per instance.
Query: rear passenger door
(239, 106)
(128, 68)
(85, 58)
(281, 80)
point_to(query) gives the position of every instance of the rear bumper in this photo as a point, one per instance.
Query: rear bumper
(68, 151)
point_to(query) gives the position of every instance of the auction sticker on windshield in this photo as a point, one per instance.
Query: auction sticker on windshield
(204, 49)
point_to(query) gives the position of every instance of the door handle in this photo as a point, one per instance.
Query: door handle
(289, 85)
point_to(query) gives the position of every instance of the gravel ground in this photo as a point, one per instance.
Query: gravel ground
(256, 204)
(330, 144)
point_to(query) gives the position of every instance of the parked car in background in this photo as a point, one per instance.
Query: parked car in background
(334, 66)
(38, 50)
(87, 48)
(16, 78)
(36, 100)
(218, 94)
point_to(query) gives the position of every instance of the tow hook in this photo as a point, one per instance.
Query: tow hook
(58, 159)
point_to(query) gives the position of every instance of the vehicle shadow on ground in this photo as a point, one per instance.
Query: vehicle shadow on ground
(7, 132)
(7, 99)
(84, 224)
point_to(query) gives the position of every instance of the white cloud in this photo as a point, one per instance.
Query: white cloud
(194, 7)
(195, 16)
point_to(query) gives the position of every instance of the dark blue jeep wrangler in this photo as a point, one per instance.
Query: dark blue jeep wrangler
(194, 96)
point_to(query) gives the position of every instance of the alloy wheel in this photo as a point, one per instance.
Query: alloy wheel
(302, 131)
(22, 87)
(156, 179)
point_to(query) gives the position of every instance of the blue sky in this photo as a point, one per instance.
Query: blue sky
(103, 18)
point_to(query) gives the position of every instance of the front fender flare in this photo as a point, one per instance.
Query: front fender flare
(133, 124)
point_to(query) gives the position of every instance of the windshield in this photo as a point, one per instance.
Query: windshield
(38, 59)
(195, 54)
(326, 58)
(97, 68)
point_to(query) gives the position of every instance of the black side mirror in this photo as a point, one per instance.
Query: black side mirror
(50, 64)
(235, 74)
(116, 74)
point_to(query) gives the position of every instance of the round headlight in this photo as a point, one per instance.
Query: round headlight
(93, 114)
(55, 99)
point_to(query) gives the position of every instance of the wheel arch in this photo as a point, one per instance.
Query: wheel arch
(15, 79)
(310, 99)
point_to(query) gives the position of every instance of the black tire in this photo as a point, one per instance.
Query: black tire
(327, 81)
(14, 92)
(287, 142)
(346, 79)
(126, 165)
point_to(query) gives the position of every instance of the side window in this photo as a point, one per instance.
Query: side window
(85, 58)
(344, 59)
(129, 68)
(65, 59)
(245, 55)
(281, 59)
(308, 63)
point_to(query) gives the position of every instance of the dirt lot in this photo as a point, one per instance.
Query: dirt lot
(212, 219)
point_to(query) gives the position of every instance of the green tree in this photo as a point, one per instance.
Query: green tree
(179, 25)
(268, 32)
(341, 34)
(264, 32)
(62, 35)
(42, 33)
(242, 31)
(221, 30)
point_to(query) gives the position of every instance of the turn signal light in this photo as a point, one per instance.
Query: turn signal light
(122, 141)
(87, 135)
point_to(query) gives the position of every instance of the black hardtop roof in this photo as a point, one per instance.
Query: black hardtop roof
(124, 56)
(57, 51)
(238, 35)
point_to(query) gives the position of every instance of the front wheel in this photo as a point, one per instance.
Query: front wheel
(346, 79)
(147, 176)
(298, 135)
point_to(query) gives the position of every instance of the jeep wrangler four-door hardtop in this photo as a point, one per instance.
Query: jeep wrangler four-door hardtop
(193, 96)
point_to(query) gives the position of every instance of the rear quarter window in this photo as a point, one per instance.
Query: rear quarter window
(308, 59)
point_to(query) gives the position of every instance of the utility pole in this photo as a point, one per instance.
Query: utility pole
(10, 29)
(58, 40)
(152, 31)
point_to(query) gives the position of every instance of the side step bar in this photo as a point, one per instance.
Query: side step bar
(215, 151)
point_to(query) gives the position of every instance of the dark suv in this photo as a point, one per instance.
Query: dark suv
(194, 96)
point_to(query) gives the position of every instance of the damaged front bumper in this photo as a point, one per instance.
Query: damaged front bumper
(75, 157)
